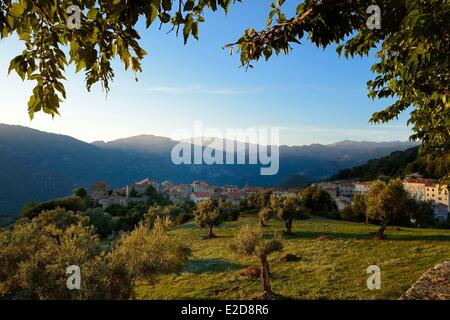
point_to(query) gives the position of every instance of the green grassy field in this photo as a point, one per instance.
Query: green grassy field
(331, 267)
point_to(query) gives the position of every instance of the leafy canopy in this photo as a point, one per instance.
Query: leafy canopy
(34, 256)
(207, 213)
(387, 202)
(107, 31)
(412, 50)
(250, 241)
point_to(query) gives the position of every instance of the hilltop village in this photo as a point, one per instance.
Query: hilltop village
(342, 192)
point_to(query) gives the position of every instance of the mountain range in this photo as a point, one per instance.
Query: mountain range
(37, 166)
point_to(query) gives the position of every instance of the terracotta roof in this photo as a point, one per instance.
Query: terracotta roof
(235, 193)
(203, 194)
(420, 181)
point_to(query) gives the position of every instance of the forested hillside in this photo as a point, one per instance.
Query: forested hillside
(399, 164)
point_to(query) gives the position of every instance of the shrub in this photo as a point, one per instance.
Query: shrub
(35, 257)
(349, 214)
(422, 212)
(319, 202)
(231, 214)
(72, 203)
(61, 218)
(183, 218)
(146, 253)
(116, 210)
(103, 222)
(81, 192)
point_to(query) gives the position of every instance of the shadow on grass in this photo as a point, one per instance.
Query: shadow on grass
(416, 237)
(363, 236)
(187, 226)
(214, 265)
(329, 235)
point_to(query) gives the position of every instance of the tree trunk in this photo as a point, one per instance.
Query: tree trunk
(380, 233)
(210, 231)
(265, 281)
(289, 227)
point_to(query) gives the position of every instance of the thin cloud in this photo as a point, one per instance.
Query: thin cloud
(199, 89)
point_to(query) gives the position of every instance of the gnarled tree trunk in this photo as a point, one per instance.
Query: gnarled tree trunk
(265, 281)
(210, 231)
(289, 227)
(380, 233)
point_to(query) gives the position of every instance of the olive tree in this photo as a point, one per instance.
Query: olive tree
(386, 202)
(264, 215)
(146, 253)
(35, 255)
(288, 209)
(34, 258)
(208, 214)
(155, 211)
(250, 242)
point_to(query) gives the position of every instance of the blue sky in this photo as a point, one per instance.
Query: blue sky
(311, 95)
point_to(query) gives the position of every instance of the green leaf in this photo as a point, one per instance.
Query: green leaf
(187, 31)
(151, 14)
(195, 30)
(92, 13)
(165, 17)
(17, 9)
(189, 5)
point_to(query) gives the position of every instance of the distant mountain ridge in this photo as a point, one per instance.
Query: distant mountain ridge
(37, 166)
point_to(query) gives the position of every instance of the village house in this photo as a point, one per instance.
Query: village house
(345, 188)
(426, 190)
(142, 186)
(437, 193)
(414, 175)
(329, 187)
(235, 196)
(283, 193)
(441, 212)
(197, 197)
(254, 190)
(229, 187)
(106, 201)
(417, 187)
(280, 193)
(179, 193)
(166, 185)
(200, 186)
(362, 187)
